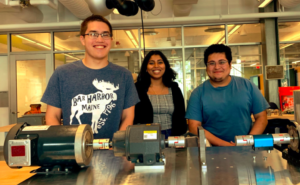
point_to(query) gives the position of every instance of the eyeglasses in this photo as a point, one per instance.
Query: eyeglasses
(95, 35)
(221, 63)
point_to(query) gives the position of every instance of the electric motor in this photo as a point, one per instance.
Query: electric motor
(48, 145)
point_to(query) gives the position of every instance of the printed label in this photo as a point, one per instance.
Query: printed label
(150, 134)
(35, 128)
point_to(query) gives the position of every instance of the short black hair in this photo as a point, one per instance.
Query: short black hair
(218, 48)
(92, 18)
(167, 77)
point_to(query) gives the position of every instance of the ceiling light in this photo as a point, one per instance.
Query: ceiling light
(234, 29)
(72, 57)
(134, 43)
(25, 38)
(150, 32)
(214, 29)
(29, 40)
(173, 52)
(127, 54)
(253, 64)
(43, 45)
(142, 54)
(238, 61)
(264, 3)
(129, 34)
(221, 41)
(132, 38)
(168, 38)
(283, 25)
(287, 45)
(116, 11)
(295, 62)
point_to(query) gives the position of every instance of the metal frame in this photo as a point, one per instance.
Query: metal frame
(13, 77)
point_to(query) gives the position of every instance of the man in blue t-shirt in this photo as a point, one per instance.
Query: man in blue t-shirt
(223, 104)
(92, 90)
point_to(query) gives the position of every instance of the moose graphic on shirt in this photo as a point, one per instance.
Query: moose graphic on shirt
(97, 104)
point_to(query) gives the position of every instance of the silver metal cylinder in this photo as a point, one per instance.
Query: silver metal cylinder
(176, 142)
(101, 144)
(246, 140)
(283, 138)
(83, 152)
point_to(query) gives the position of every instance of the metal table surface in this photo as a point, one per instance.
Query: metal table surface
(225, 166)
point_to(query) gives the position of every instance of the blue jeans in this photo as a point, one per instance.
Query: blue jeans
(167, 133)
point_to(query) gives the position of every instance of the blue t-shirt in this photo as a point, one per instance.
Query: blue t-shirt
(226, 111)
(92, 96)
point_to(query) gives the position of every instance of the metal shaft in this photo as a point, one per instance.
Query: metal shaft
(248, 140)
(176, 142)
(101, 144)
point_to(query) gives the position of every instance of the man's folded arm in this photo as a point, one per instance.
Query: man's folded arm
(214, 140)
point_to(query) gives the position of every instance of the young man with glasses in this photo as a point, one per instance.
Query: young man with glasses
(92, 90)
(223, 104)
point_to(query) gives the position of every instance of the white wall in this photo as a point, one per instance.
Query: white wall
(4, 111)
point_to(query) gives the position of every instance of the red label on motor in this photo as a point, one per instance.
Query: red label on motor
(18, 151)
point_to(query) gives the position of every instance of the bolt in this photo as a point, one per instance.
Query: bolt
(66, 169)
(47, 170)
(149, 161)
(265, 158)
(269, 151)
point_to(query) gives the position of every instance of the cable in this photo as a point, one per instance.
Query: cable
(159, 11)
(143, 31)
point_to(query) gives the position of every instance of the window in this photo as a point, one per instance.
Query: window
(161, 37)
(3, 43)
(64, 58)
(289, 31)
(243, 33)
(204, 35)
(30, 42)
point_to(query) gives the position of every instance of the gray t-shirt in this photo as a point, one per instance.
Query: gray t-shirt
(92, 96)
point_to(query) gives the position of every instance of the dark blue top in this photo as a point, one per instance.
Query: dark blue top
(92, 96)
